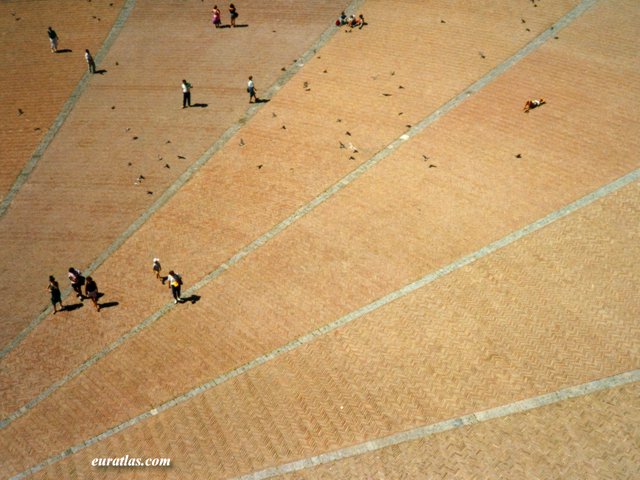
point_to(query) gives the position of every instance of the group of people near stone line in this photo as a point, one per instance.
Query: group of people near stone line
(186, 92)
(351, 21)
(172, 279)
(77, 282)
(216, 16)
(53, 43)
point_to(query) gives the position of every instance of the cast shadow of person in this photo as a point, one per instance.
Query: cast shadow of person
(263, 100)
(200, 105)
(72, 307)
(108, 305)
(193, 299)
(100, 72)
(64, 50)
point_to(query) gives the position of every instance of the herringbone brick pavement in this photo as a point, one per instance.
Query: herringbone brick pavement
(231, 201)
(36, 81)
(83, 195)
(590, 437)
(284, 291)
(522, 322)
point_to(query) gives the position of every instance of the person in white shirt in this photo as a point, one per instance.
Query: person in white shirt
(251, 89)
(186, 94)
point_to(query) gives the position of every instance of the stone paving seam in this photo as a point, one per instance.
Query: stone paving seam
(24, 174)
(311, 336)
(359, 171)
(186, 175)
(418, 433)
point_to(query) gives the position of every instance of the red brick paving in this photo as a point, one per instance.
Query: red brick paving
(284, 291)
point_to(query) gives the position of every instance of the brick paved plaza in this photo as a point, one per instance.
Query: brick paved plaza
(390, 270)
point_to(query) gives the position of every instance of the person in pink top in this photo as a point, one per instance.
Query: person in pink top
(215, 19)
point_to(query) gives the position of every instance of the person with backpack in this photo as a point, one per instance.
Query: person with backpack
(175, 284)
(53, 40)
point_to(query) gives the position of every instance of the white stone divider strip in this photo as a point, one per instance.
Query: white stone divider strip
(26, 171)
(311, 336)
(330, 192)
(419, 433)
(182, 179)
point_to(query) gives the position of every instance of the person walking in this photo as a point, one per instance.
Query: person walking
(54, 290)
(90, 62)
(186, 94)
(251, 89)
(175, 284)
(215, 19)
(77, 281)
(91, 291)
(53, 39)
(233, 13)
(157, 268)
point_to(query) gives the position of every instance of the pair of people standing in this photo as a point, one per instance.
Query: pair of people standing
(216, 15)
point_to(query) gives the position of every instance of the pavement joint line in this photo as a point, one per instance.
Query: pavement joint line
(26, 171)
(182, 179)
(347, 180)
(426, 431)
(402, 292)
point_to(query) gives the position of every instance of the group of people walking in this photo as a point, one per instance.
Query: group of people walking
(90, 290)
(77, 282)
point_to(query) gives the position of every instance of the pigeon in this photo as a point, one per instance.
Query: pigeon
(127, 129)
(283, 69)
(36, 129)
(130, 164)
(181, 157)
(259, 167)
(442, 21)
(386, 94)
(306, 84)
(113, 107)
(20, 112)
(135, 138)
(242, 144)
(166, 165)
(342, 145)
(283, 127)
(431, 165)
(528, 29)
(352, 158)
(117, 64)
(348, 133)
(482, 55)
(339, 120)
(149, 192)
(523, 20)
(424, 157)
(140, 178)
(408, 125)
(168, 141)
(400, 87)
(518, 156)
(273, 114)
(393, 73)
(324, 71)
(400, 113)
